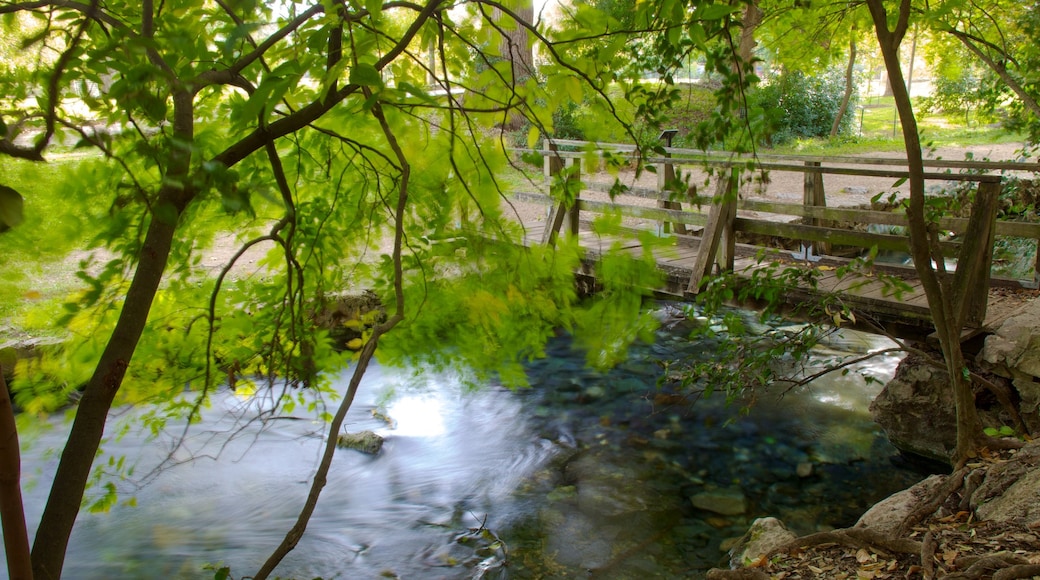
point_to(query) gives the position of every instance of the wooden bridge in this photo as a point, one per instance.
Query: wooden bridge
(728, 230)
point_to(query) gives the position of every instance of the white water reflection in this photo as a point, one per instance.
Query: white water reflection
(417, 416)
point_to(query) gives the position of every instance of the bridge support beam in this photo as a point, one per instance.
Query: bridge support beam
(972, 279)
(562, 212)
(666, 184)
(814, 196)
(717, 244)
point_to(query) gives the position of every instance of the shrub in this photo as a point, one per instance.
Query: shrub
(800, 106)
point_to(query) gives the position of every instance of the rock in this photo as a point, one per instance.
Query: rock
(605, 486)
(804, 469)
(1009, 489)
(916, 410)
(363, 441)
(1013, 352)
(727, 502)
(1017, 504)
(855, 190)
(886, 515)
(764, 536)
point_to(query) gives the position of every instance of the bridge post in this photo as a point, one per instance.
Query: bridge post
(814, 196)
(561, 212)
(972, 277)
(665, 183)
(718, 243)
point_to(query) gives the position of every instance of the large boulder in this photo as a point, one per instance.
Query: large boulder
(1013, 352)
(916, 410)
(1009, 490)
(888, 514)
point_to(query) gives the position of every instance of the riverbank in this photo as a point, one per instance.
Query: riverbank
(978, 523)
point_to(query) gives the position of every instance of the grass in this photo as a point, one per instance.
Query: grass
(877, 129)
(34, 252)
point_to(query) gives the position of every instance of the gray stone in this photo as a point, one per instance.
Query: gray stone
(804, 469)
(764, 536)
(886, 515)
(1013, 352)
(727, 502)
(363, 441)
(1017, 504)
(1009, 489)
(916, 410)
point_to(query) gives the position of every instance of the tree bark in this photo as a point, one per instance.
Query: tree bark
(12, 512)
(844, 107)
(515, 47)
(945, 313)
(77, 457)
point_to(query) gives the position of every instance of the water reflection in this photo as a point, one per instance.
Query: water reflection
(584, 472)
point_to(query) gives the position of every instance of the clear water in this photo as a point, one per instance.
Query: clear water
(583, 475)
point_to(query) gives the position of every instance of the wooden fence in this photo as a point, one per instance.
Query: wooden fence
(714, 222)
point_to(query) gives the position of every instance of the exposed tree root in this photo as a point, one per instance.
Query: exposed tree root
(1018, 571)
(742, 574)
(988, 565)
(928, 547)
(854, 538)
(953, 483)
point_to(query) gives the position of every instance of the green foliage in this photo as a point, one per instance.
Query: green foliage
(799, 106)
(963, 92)
(1003, 431)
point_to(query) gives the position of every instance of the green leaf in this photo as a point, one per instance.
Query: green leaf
(715, 11)
(365, 75)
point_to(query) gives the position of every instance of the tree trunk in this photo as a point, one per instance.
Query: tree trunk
(515, 46)
(12, 512)
(748, 24)
(945, 313)
(66, 495)
(843, 109)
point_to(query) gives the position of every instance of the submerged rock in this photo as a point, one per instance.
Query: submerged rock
(363, 441)
(727, 502)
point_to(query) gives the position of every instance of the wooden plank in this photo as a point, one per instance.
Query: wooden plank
(720, 221)
(699, 155)
(1004, 227)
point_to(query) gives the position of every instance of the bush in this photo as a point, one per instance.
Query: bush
(799, 106)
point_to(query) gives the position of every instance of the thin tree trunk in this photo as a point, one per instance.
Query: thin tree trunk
(12, 512)
(937, 291)
(843, 109)
(66, 495)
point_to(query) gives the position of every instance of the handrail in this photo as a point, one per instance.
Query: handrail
(818, 218)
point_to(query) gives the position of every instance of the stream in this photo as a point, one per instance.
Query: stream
(585, 474)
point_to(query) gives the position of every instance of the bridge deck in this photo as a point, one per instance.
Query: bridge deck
(907, 310)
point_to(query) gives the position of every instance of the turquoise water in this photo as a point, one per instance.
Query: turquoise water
(585, 474)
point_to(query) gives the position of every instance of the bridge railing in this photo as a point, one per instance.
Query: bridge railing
(712, 222)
